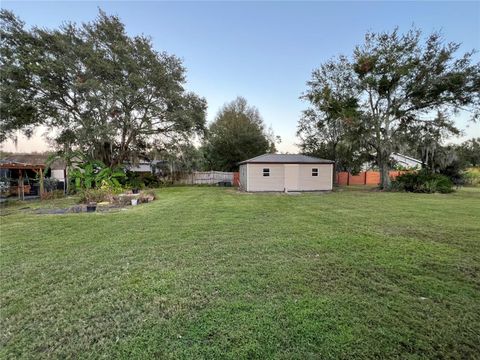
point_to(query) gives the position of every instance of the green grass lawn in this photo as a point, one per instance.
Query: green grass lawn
(212, 273)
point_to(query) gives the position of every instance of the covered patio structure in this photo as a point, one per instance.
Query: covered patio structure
(12, 170)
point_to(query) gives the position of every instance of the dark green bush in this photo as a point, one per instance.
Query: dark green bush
(422, 182)
(50, 184)
(150, 180)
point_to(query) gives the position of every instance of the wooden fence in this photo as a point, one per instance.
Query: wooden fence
(364, 177)
(209, 178)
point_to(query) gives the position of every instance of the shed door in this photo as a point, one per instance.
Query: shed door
(292, 172)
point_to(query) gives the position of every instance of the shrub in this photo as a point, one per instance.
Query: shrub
(55, 194)
(134, 181)
(422, 182)
(147, 196)
(92, 174)
(111, 188)
(94, 195)
(50, 184)
(150, 180)
(472, 176)
(454, 172)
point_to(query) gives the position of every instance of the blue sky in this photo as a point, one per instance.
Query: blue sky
(264, 51)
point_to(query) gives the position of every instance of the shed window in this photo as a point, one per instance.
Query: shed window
(314, 172)
(266, 172)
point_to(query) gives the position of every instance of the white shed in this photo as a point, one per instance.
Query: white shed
(286, 172)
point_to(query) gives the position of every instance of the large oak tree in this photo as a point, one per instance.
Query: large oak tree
(399, 82)
(102, 92)
(324, 127)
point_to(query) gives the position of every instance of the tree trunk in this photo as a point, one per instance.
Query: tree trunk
(42, 189)
(66, 187)
(384, 170)
(334, 172)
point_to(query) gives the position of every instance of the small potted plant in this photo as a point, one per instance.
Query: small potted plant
(136, 184)
(91, 206)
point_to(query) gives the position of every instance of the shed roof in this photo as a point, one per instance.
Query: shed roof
(285, 159)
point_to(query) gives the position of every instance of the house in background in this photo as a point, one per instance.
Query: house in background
(143, 167)
(146, 167)
(405, 161)
(286, 172)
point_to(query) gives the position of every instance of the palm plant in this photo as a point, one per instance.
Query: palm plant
(94, 173)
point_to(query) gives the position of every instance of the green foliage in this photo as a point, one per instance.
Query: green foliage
(451, 160)
(393, 82)
(134, 180)
(93, 174)
(422, 182)
(17, 98)
(109, 95)
(425, 140)
(94, 195)
(472, 176)
(469, 152)
(50, 184)
(400, 167)
(110, 177)
(180, 159)
(237, 133)
(324, 129)
(150, 180)
(105, 191)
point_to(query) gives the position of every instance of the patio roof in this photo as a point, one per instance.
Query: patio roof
(21, 166)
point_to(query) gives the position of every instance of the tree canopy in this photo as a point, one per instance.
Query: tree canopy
(395, 83)
(323, 128)
(237, 133)
(469, 152)
(101, 91)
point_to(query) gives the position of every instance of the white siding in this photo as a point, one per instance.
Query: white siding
(296, 177)
(58, 174)
(323, 181)
(258, 182)
(243, 177)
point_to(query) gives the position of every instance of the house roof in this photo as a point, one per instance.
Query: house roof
(407, 157)
(30, 160)
(285, 159)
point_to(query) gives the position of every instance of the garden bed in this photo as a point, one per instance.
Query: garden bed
(70, 205)
(79, 209)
